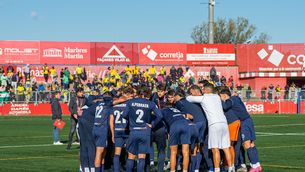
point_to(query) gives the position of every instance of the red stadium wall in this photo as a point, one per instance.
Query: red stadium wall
(259, 83)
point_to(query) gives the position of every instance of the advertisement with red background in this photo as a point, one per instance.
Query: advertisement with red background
(19, 52)
(162, 53)
(210, 54)
(270, 57)
(115, 53)
(65, 52)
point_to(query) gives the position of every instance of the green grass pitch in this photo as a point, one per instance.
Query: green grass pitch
(26, 144)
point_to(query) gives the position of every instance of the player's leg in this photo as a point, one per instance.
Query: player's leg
(193, 158)
(143, 149)
(116, 159)
(130, 162)
(216, 159)
(161, 146)
(207, 154)
(173, 157)
(71, 132)
(99, 159)
(186, 156)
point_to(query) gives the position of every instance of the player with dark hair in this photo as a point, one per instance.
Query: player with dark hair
(119, 128)
(139, 112)
(100, 130)
(235, 104)
(159, 131)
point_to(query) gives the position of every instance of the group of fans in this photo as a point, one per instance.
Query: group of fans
(203, 128)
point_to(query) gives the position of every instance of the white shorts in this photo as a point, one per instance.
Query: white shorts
(219, 136)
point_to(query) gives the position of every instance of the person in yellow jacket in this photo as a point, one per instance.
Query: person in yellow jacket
(146, 74)
(45, 71)
(113, 72)
(163, 71)
(128, 70)
(20, 92)
(135, 70)
(152, 71)
(79, 70)
(53, 73)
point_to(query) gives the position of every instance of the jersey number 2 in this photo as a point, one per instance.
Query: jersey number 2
(140, 114)
(117, 115)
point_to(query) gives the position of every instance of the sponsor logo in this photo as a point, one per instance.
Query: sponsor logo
(20, 109)
(152, 54)
(277, 57)
(114, 54)
(66, 52)
(210, 50)
(52, 52)
(19, 51)
(254, 107)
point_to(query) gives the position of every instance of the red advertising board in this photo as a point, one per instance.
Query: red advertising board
(30, 109)
(65, 52)
(162, 53)
(270, 57)
(210, 54)
(115, 53)
(19, 52)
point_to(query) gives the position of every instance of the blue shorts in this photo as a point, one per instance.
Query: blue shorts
(201, 127)
(100, 134)
(247, 130)
(138, 142)
(179, 133)
(119, 142)
(194, 134)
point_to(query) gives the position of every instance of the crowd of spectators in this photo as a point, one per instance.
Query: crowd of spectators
(24, 87)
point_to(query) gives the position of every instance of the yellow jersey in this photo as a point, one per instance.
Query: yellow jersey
(128, 70)
(152, 70)
(52, 71)
(79, 70)
(45, 69)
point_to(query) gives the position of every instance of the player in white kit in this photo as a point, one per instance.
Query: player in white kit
(218, 136)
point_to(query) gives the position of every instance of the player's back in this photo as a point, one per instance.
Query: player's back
(102, 114)
(194, 109)
(239, 108)
(139, 111)
(171, 115)
(120, 124)
(211, 104)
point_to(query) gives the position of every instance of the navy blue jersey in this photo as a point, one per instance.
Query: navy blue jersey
(237, 107)
(120, 124)
(194, 109)
(139, 112)
(102, 114)
(171, 115)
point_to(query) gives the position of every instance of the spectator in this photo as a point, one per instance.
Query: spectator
(75, 104)
(286, 93)
(278, 92)
(263, 93)
(163, 71)
(223, 80)
(53, 73)
(26, 71)
(45, 71)
(292, 91)
(173, 72)
(270, 92)
(152, 71)
(213, 73)
(20, 92)
(56, 115)
(248, 93)
(79, 71)
(179, 71)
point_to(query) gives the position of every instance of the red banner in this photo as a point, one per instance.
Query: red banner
(19, 52)
(65, 53)
(30, 109)
(270, 57)
(210, 54)
(162, 53)
(115, 53)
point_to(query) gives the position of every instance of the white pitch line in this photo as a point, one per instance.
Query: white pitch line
(23, 146)
(277, 125)
(279, 134)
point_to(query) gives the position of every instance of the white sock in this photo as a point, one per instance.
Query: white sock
(86, 169)
(243, 165)
(216, 169)
(92, 169)
(256, 165)
(196, 171)
(231, 169)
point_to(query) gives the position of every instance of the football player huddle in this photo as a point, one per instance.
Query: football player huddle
(205, 128)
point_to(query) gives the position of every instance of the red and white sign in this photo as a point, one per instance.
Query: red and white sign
(270, 57)
(162, 53)
(19, 52)
(30, 109)
(210, 54)
(65, 52)
(115, 53)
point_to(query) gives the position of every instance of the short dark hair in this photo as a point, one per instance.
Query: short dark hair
(108, 94)
(225, 91)
(128, 90)
(180, 93)
(161, 87)
(170, 92)
(210, 86)
(194, 87)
